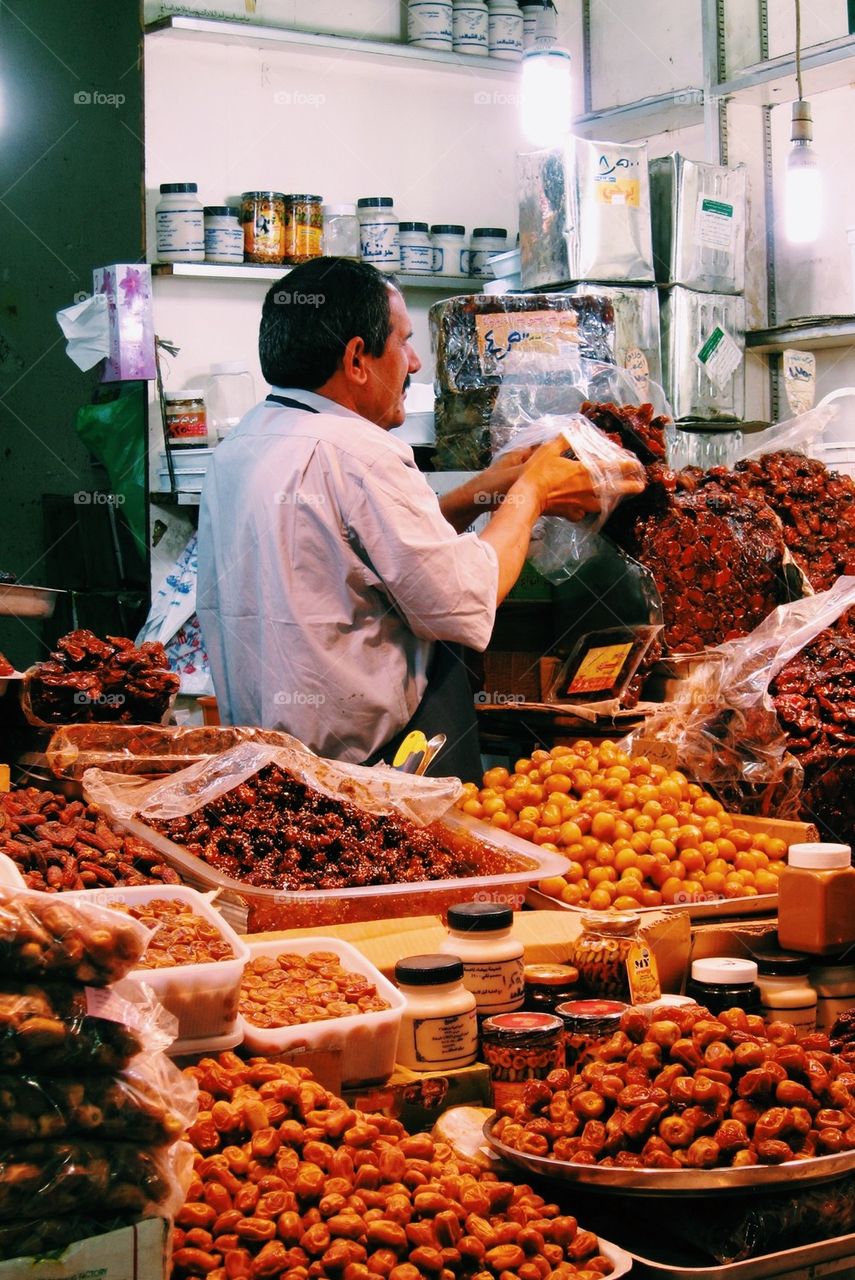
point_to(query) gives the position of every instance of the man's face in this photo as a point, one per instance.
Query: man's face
(389, 373)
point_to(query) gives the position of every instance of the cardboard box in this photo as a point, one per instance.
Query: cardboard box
(126, 286)
(138, 1252)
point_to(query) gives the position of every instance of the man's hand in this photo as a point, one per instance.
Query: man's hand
(497, 479)
(565, 488)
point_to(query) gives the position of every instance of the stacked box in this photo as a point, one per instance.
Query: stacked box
(636, 345)
(703, 345)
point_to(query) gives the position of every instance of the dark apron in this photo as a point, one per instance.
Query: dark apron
(447, 705)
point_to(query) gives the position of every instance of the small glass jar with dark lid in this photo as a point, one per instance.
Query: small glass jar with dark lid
(587, 1024)
(548, 985)
(724, 982)
(518, 1047)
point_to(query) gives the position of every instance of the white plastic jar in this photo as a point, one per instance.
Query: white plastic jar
(481, 935)
(430, 24)
(530, 13)
(439, 1027)
(469, 25)
(785, 993)
(416, 248)
(179, 223)
(505, 30)
(341, 231)
(484, 243)
(834, 985)
(450, 252)
(223, 234)
(378, 232)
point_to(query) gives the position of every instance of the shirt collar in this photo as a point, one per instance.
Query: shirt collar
(322, 403)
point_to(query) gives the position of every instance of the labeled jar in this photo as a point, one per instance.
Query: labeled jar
(480, 934)
(549, 985)
(223, 234)
(530, 14)
(262, 214)
(416, 248)
(505, 30)
(588, 1024)
(785, 992)
(378, 232)
(186, 419)
(834, 985)
(518, 1047)
(429, 24)
(450, 251)
(304, 221)
(179, 223)
(816, 899)
(723, 982)
(484, 243)
(469, 27)
(439, 1028)
(614, 960)
(340, 236)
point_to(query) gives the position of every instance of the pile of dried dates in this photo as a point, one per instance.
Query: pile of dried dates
(91, 679)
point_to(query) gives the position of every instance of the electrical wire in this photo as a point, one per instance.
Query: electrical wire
(799, 49)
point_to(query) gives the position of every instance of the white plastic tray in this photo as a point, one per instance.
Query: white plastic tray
(368, 1041)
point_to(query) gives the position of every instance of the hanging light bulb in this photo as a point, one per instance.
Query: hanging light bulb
(803, 185)
(546, 105)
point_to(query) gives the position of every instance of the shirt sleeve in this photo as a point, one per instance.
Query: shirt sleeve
(443, 583)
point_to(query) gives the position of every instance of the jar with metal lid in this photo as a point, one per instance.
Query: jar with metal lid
(378, 232)
(429, 24)
(724, 982)
(223, 234)
(518, 1047)
(186, 419)
(262, 214)
(484, 243)
(304, 221)
(614, 960)
(416, 248)
(439, 1027)
(548, 985)
(816, 899)
(834, 985)
(480, 934)
(587, 1025)
(340, 236)
(179, 223)
(450, 254)
(785, 992)
(469, 27)
(505, 30)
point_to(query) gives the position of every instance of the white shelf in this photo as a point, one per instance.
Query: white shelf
(811, 334)
(644, 118)
(257, 36)
(253, 271)
(824, 66)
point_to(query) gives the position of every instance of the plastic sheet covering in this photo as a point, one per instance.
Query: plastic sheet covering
(802, 433)
(722, 721)
(62, 1029)
(150, 1102)
(43, 937)
(379, 790)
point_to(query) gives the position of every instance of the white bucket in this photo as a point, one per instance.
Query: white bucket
(841, 430)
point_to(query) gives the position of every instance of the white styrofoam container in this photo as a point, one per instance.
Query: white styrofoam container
(367, 1040)
(203, 997)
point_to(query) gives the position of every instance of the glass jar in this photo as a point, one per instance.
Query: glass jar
(223, 234)
(450, 253)
(469, 27)
(179, 223)
(834, 985)
(186, 419)
(378, 232)
(816, 899)
(587, 1025)
(304, 223)
(416, 248)
(484, 243)
(518, 1047)
(429, 24)
(262, 214)
(340, 236)
(439, 1028)
(613, 959)
(480, 934)
(722, 982)
(230, 393)
(505, 30)
(548, 985)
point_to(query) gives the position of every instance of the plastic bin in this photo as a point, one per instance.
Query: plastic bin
(367, 1041)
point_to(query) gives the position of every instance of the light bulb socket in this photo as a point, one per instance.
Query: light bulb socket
(802, 125)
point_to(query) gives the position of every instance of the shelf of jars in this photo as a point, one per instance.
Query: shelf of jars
(266, 273)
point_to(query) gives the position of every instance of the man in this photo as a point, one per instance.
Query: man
(334, 588)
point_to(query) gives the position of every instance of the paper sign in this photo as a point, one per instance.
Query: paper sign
(599, 669)
(799, 380)
(638, 369)
(715, 225)
(720, 357)
(508, 342)
(656, 751)
(611, 190)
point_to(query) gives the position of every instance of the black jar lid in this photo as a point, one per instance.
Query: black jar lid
(447, 229)
(169, 188)
(479, 917)
(375, 202)
(498, 233)
(428, 971)
(782, 964)
(220, 211)
(412, 226)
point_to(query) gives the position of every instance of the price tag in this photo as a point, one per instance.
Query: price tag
(656, 750)
(715, 225)
(511, 341)
(720, 357)
(599, 669)
(638, 369)
(800, 380)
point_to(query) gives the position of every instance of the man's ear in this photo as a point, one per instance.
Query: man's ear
(353, 361)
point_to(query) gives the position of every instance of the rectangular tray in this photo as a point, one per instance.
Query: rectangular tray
(824, 1258)
(19, 601)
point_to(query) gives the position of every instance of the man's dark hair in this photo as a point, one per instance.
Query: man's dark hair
(310, 315)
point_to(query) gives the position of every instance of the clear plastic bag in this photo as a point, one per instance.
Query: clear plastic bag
(722, 722)
(42, 936)
(802, 434)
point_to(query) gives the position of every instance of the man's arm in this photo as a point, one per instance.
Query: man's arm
(484, 492)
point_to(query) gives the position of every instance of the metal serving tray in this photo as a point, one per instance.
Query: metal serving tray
(824, 1258)
(746, 1180)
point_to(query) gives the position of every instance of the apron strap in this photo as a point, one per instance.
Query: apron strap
(291, 404)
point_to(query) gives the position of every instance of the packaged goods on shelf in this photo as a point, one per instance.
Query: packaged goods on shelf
(87, 1247)
(699, 216)
(636, 328)
(47, 938)
(126, 289)
(703, 345)
(585, 213)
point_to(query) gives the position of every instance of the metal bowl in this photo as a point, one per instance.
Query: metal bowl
(745, 1180)
(17, 601)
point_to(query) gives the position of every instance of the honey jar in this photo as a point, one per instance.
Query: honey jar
(262, 214)
(613, 959)
(587, 1023)
(518, 1047)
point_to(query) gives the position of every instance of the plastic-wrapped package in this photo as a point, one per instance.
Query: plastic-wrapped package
(68, 1030)
(38, 1237)
(43, 937)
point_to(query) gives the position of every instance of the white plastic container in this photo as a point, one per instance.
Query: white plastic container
(416, 248)
(189, 466)
(480, 934)
(450, 251)
(179, 223)
(485, 242)
(429, 24)
(368, 1042)
(340, 237)
(530, 13)
(439, 1027)
(785, 992)
(203, 997)
(505, 30)
(378, 232)
(229, 394)
(834, 985)
(223, 234)
(470, 29)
